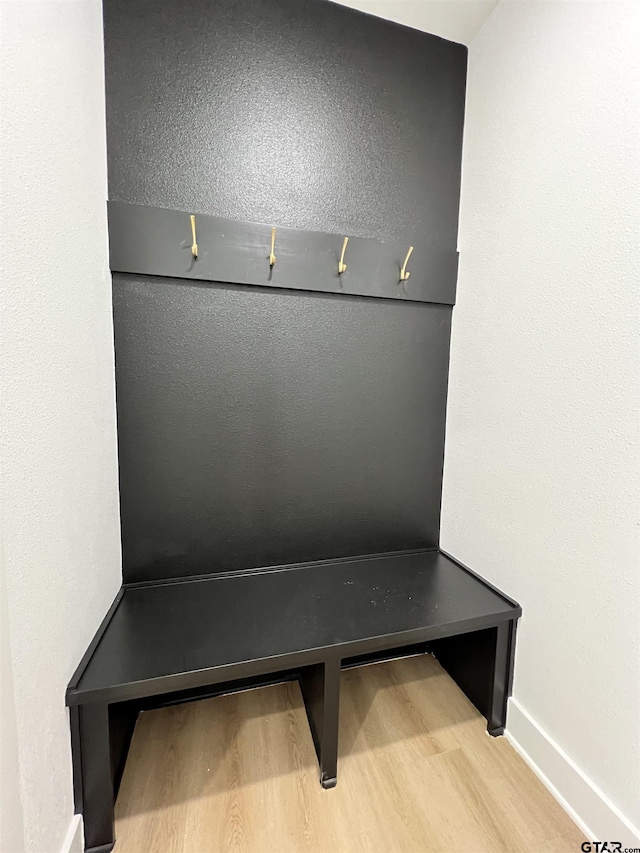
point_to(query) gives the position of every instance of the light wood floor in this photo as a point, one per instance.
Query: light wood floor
(417, 772)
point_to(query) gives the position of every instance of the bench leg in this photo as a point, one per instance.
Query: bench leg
(502, 677)
(320, 686)
(92, 775)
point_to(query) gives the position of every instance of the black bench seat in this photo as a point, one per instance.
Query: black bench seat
(313, 618)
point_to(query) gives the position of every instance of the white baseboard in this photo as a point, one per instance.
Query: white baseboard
(74, 840)
(583, 801)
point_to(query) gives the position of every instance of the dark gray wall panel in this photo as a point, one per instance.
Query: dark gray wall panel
(298, 113)
(262, 427)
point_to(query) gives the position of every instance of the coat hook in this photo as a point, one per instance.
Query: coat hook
(404, 275)
(194, 244)
(342, 267)
(272, 257)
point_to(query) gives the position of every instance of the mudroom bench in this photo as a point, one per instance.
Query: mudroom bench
(174, 639)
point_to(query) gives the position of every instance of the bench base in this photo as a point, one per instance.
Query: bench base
(438, 607)
(320, 688)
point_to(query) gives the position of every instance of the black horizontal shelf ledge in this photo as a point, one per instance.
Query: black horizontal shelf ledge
(157, 241)
(180, 636)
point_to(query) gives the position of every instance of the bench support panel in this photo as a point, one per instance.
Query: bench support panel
(92, 775)
(481, 664)
(320, 686)
(502, 677)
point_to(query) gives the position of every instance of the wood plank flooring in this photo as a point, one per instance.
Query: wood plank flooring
(417, 772)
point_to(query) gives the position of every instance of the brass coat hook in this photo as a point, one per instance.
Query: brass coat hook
(342, 267)
(272, 257)
(404, 275)
(194, 243)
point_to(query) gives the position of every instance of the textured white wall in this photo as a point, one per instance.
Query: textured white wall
(58, 499)
(456, 20)
(541, 473)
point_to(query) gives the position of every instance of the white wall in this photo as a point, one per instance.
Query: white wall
(541, 472)
(456, 20)
(58, 498)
